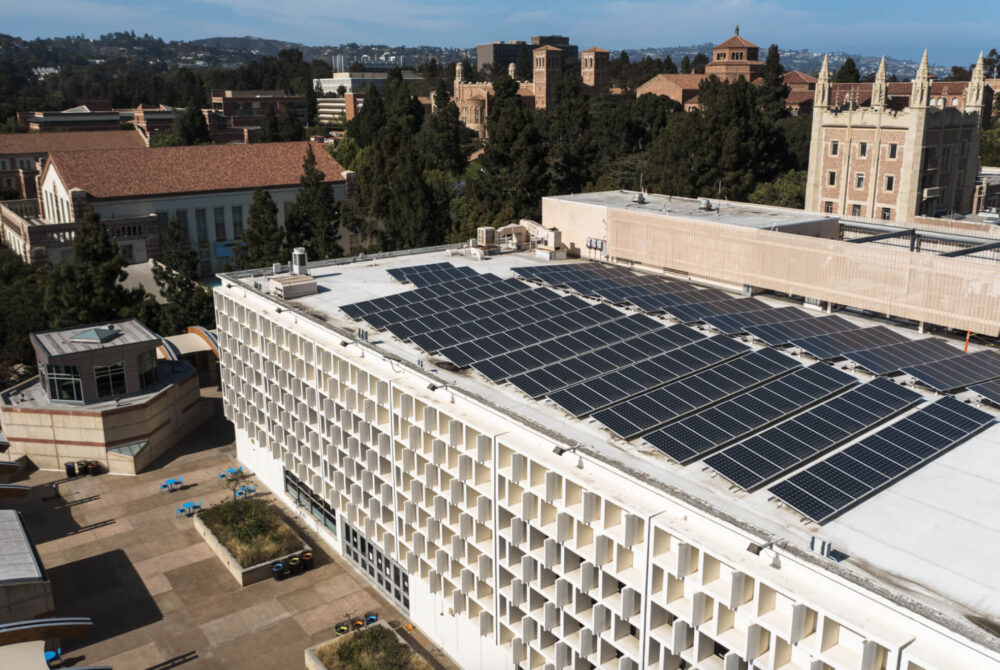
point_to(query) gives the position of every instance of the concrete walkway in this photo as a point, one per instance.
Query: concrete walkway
(115, 551)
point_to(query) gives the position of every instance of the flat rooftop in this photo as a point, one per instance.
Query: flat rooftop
(18, 562)
(723, 211)
(925, 537)
(93, 336)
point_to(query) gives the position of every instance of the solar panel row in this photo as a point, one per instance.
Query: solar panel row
(360, 310)
(831, 486)
(834, 345)
(988, 390)
(602, 360)
(957, 372)
(644, 412)
(781, 448)
(699, 434)
(777, 334)
(428, 275)
(586, 397)
(894, 357)
(736, 323)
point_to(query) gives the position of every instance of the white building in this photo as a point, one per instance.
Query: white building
(514, 535)
(357, 82)
(208, 188)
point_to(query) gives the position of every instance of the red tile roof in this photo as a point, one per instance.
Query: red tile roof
(140, 173)
(736, 41)
(683, 81)
(797, 77)
(40, 143)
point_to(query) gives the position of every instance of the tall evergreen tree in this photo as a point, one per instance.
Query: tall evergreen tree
(261, 244)
(312, 218)
(773, 91)
(88, 289)
(440, 140)
(289, 127)
(190, 126)
(848, 72)
(269, 128)
(188, 303)
(669, 67)
(698, 63)
(686, 64)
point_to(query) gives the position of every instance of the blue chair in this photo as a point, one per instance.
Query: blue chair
(222, 475)
(163, 487)
(240, 493)
(51, 656)
(180, 512)
(180, 481)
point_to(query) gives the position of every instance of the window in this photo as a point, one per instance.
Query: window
(828, 207)
(834, 148)
(890, 182)
(954, 102)
(946, 158)
(162, 218)
(313, 503)
(220, 224)
(886, 213)
(201, 224)
(146, 362)
(893, 149)
(110, 379)
(181, 217)
(237, 222)
(64, 383)
(3, 165)
(859, 180)
(855, 210)
(863, 149)
(831, 178)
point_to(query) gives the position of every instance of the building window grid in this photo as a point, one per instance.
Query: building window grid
(370, 549)
(201, 224)
(110, 379)
(237, 212)
(65, 383)
(146, 364)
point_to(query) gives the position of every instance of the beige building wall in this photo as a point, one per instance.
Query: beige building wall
(51, 437)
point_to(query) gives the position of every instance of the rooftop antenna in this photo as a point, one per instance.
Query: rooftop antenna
(640, 197)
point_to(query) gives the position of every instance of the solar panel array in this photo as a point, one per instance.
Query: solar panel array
(957, 372)
(777, 334)
(835, 345)
(838, 482)
(788, 445)
(894, 357)
(734, 324)
(362, 310)
(589, 396)
(428, 275)
(699, 434)
(649, 410)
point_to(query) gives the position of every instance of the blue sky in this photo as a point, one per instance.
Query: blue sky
(953, 32)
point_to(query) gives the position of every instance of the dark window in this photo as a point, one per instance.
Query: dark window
(110, 379)
(831, 178)
(828, 207)
(65, 383)
(886, 213)
(220, 224)
(890, 182)
(237, 222)
(181, 217)
(855, 210)
(893, 149)
(863, 149)
(834, 148)
(314, 503)
(201, 224)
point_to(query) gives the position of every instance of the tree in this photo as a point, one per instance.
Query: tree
(312, 217)
(188, 303)
(523, 67)
(289, 127)
(22, 293)
(848, 72)
(773, 91)
(88, 289)
(190, 126)
(989, 146)
(698, 63)
(440, 140)
(788, 190)
(312, 109)
(269, 127)
(686, 64)
(261, 243)
(669, 67)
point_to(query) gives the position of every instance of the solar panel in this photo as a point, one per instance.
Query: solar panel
(988, 390)
(697, 435)
(835, 345)
(699, 311)
(647, 411)
(837, 483)
(755, 461)
(580, 399)
(894, 357)
(957, 372)
(776, 334)
(735, 323)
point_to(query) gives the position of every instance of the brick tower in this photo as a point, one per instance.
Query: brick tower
(594, 70)
(547, 70)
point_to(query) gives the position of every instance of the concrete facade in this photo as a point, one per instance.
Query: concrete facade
(880, 162)
(522, 544)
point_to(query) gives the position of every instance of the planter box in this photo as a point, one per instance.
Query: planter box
(245, 576)
(313, 662)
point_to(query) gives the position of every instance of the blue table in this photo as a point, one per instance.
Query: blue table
(230, 472)
(173, 482)
(190, 507)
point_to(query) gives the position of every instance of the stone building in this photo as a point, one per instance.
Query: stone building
(893, 154)
(101, 395)
(473, 98)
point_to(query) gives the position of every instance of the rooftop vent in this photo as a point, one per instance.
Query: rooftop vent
(705, 205)
(96, 335)
(299, 263)
(640, 198)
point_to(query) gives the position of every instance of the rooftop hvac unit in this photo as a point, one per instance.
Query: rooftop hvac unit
(299, 263)
(486, 236)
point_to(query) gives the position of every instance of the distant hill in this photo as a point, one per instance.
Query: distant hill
(257, 45)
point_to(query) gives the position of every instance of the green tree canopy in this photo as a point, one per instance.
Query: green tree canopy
(289, 127)
(188, 303)
(848, 72)
(312, 220)
(773, 91)
(269, 127)
(190, 126)
(262, 237)
(788, 190)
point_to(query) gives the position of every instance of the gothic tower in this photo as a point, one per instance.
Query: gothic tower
(880, 90)
(594, 70)
(920, 93)
(547, 70)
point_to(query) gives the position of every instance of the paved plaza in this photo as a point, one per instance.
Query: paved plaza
(115, 551)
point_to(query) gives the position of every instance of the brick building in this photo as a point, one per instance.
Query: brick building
(21, 154)
(896, 152)
(473, 98)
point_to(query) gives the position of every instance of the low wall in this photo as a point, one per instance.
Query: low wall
(313, 662)
(245, 576)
